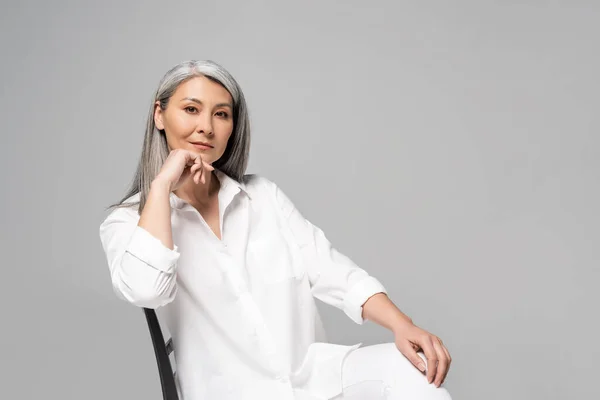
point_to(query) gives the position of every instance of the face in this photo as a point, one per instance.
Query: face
(198, 117)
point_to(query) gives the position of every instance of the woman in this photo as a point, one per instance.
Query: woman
(232, 268)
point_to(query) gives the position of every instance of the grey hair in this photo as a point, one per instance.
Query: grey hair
(155, 150)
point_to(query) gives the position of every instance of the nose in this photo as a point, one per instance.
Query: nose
(204, 124)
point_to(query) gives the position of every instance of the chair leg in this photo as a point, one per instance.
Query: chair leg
(165, 371)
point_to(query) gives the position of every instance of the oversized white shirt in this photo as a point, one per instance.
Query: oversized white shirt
(241, 311)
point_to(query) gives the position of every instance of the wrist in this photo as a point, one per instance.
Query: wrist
(161, 184)
(401, 323)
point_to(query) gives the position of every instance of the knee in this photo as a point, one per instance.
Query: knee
(405, 381)
(432, 393)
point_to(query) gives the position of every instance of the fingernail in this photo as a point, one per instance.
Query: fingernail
(422, 367)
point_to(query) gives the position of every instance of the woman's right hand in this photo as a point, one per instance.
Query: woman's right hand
(180, 165)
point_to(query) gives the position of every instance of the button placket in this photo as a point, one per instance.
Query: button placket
(260, 331)
(232, 273)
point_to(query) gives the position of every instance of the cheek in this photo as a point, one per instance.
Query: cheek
(182, 124)
(177, 129)
(225, 133)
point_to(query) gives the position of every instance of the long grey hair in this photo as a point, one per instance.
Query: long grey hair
(155, 150)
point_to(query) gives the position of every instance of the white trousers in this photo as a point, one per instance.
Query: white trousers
(369, 370)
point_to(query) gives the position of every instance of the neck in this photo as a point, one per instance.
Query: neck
(199, 193)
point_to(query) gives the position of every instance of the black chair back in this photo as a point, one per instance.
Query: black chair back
(162, 351)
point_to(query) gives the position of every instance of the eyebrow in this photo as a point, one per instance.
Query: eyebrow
(195, 100)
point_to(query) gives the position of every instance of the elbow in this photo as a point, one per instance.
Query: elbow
(145, 291)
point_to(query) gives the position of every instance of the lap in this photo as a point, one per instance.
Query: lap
(385, 363)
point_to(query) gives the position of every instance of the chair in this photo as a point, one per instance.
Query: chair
(162, 350)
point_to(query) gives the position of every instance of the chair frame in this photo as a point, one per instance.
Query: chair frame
(162, 350)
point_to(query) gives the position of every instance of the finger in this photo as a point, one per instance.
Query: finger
(449, 358)
(208, 166)
(431, 356)
(410, 353)
(199, 166)
(200, 174)
(199, 162)
(188, 173)
(203, 176)
(195, 168)
(192, 158)
(442, 367)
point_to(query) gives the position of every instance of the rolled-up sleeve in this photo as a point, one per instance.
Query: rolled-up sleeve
(335, 279)
(142, 269)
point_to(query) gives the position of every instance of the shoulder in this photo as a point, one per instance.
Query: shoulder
(257, 183)
(260, 187)
(126, 212)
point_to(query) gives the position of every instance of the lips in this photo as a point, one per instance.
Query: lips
(203, 145)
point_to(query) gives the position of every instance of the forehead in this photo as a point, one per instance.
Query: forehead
(203, 89)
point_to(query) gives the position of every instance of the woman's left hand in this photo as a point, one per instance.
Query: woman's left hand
(410, 339)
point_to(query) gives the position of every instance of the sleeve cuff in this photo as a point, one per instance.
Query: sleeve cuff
(358, 295)
(152, 251)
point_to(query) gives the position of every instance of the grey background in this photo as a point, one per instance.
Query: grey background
(449, 148)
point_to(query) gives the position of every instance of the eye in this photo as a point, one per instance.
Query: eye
(222, 114)
(191, 109)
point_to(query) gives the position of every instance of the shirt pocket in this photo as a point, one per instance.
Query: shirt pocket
(275, 257)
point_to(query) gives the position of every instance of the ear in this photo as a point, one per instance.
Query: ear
(158, 117)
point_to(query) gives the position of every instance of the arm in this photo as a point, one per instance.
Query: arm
(334, 278)
(140, 252)
(156, 215)
(381, 310)
(409, 338)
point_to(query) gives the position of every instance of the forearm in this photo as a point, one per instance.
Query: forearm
(381, 310)
(156, 215)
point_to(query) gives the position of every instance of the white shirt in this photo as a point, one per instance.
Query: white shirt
(241, 311)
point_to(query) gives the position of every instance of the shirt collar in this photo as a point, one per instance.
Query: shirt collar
(229, 182)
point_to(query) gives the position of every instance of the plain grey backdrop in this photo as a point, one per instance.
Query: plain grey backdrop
(449, 148)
